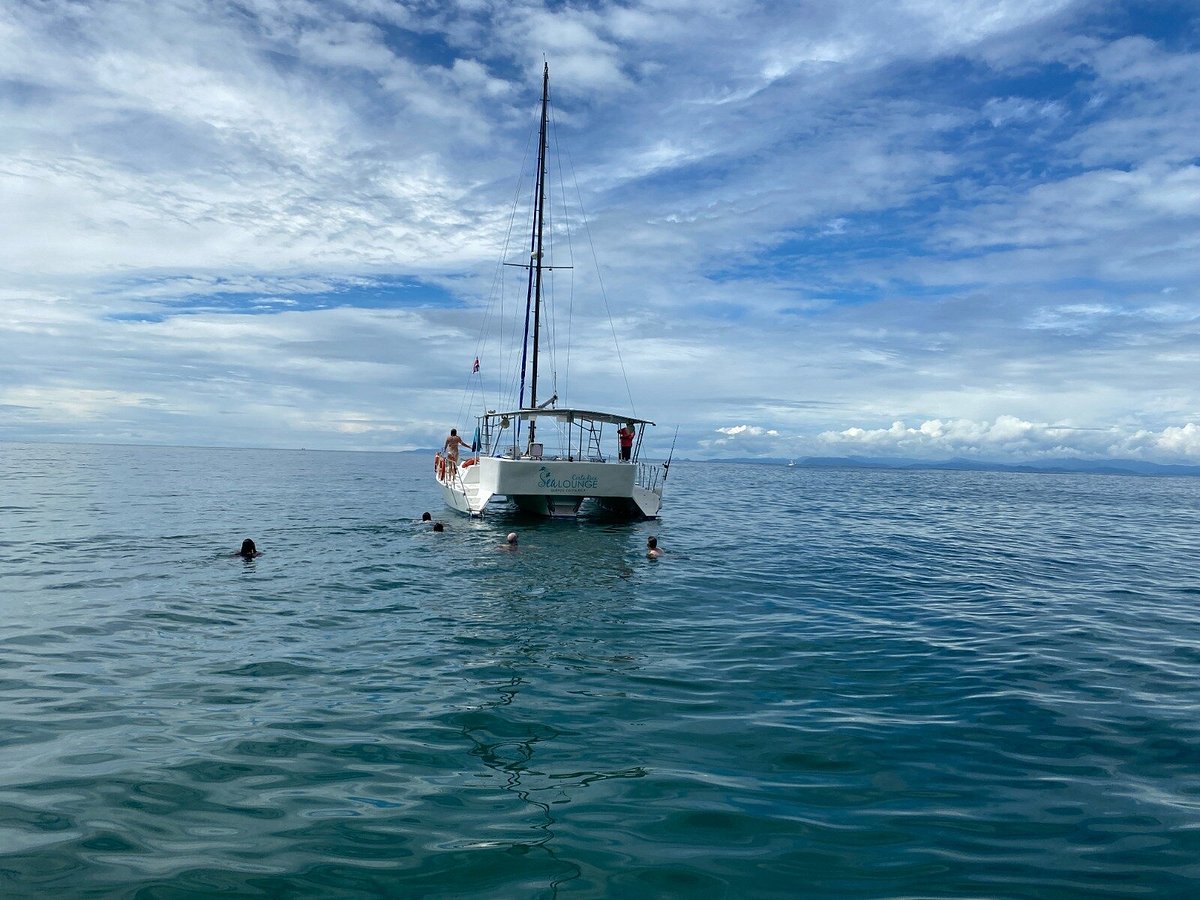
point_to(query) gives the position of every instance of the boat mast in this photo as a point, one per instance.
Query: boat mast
(538, 220)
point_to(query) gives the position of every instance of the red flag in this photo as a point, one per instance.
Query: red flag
(475, 370)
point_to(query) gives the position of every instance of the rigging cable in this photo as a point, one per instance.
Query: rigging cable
(562, 189)
(603, 293)
(495, 309)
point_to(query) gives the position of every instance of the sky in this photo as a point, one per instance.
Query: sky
(908, 228)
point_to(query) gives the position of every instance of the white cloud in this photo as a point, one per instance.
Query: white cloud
(750, 430)
(52, 404)
(981, 218)
(1008, 438)
(1178, 441)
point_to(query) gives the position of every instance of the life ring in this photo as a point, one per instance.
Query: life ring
(470, 462)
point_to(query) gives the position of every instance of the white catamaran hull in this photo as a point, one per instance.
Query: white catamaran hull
(552, 487)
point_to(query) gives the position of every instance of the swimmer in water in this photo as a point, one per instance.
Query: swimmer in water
(426, 517)
(510, 542)
(248, 551)
(652, 550)
(438, 526)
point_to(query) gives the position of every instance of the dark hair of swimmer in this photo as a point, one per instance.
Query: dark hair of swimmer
(652, 542)
(248, 549)
(425, 517)
(438, 526)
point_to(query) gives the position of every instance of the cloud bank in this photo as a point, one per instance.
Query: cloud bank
(1009, 438)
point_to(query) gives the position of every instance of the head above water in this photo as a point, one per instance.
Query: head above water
(248, 548)
(512, 537)
(652, 542)
(438, 526)
(426, 517)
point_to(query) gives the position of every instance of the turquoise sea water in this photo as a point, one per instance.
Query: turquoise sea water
(836, 683)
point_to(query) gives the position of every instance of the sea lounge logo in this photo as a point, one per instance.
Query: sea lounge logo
(576, 482)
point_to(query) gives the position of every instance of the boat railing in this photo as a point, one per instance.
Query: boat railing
(459, 484)
(448, 471)
(650, 476)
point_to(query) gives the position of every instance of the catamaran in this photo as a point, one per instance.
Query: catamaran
(548, 460)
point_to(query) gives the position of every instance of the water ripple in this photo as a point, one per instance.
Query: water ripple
(835, 683)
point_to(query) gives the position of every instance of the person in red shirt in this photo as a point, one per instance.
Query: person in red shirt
(625, 436)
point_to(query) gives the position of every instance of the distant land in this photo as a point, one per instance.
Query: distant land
(1046, 466)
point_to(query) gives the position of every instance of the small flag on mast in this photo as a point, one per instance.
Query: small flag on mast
(475, 368)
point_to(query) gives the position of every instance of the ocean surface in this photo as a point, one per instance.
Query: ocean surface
(836, 683)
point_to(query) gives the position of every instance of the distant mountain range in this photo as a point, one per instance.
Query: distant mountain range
(1046, 466)
(1095, 466)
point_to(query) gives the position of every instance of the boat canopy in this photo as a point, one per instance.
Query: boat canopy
(568, 415)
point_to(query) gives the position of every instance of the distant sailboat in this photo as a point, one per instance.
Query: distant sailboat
(547, 460)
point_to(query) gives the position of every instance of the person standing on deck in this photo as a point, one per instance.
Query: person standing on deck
(625, 435)
(453, 443)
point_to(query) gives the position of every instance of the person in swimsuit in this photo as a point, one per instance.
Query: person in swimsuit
(453, 443)
(652, 548)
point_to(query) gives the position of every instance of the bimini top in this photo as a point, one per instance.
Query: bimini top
(569, 415)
